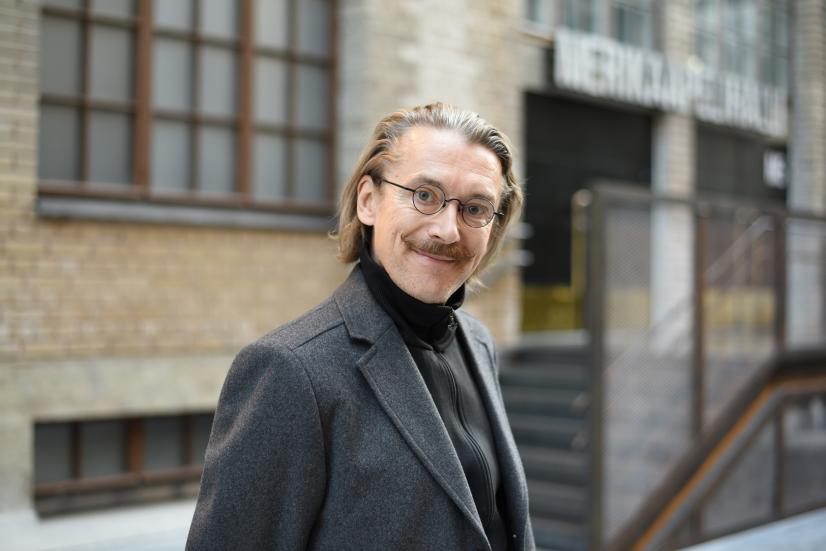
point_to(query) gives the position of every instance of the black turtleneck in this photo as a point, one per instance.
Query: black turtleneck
(440, 353)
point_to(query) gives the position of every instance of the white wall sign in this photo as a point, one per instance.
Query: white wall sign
(602, 67)
(774, 168)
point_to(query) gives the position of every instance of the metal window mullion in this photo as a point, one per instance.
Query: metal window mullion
(85, 33)
(188, 433)
(332, 71)
(135, 445)
(292, 100)
(243, 166)
(195, 100)
(75, 458)
(143, 98)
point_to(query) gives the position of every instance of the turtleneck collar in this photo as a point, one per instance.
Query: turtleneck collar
(421, 324)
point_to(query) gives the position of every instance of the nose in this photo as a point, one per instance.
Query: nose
(444, 225)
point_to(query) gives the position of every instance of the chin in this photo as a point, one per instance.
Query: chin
(432, 296)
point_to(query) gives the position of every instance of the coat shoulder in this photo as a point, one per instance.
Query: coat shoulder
(310, 325)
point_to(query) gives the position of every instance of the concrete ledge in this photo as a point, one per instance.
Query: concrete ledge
(100, 387)
(154, 213)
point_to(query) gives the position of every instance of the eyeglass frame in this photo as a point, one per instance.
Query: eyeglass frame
(445, 201)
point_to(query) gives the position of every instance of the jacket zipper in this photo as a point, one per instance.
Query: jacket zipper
(474, 444)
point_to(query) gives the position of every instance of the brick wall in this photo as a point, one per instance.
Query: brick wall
(88, 289)
(807, 190)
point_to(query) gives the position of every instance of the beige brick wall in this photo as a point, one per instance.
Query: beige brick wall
(84, 289)
(807, 150)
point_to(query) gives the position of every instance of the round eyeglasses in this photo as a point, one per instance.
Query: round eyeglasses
(430, 199)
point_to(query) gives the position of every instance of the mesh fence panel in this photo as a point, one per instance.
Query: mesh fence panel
(648, 281)
(646, 377)
(739, 301)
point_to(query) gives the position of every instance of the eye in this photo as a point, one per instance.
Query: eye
(424, 195)
(478, 210)
(428, 197)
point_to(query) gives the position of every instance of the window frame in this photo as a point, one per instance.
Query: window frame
(55, 496)
(759, 49)
(143, 111)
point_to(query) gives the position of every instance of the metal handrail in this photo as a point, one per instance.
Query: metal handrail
(680, 495)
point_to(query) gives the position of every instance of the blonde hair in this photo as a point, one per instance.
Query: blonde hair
(351, 233)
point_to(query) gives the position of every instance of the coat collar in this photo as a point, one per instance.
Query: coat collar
(364, 318)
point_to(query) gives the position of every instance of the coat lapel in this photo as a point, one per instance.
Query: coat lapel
(393, 377)
(510, 464)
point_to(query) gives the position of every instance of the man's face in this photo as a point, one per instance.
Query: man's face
(430, 256)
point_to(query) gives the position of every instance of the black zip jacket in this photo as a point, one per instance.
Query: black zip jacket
(429, 331)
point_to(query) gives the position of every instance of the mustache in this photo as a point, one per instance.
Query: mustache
(450, 250)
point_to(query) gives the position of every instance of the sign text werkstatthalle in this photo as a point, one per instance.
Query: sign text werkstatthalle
(602, 67)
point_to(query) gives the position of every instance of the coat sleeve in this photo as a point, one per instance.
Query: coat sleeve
(264, 472)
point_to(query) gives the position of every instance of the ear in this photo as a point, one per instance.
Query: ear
(367, 201)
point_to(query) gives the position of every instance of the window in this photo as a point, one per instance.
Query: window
(745, 37)
(633, 22)
(84, 464)
(581, 15)
(628, 21)
(540, 12)
(204, 101)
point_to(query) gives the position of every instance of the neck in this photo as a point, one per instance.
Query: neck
(421, 324)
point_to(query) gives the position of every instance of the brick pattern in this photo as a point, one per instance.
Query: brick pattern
(87, 289)
(18, 130)
(807, 189)
(673, 135)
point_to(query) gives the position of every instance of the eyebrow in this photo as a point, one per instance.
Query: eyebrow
(424, 179)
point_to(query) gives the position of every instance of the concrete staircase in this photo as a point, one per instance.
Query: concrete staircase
(546, 394)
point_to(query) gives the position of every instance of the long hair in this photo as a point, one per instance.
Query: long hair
(381, 150)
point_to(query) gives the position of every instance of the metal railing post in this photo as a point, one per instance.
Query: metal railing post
(596, 325)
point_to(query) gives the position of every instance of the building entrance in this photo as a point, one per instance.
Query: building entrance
(570, 144)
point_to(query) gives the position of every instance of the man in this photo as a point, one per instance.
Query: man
(375, 421)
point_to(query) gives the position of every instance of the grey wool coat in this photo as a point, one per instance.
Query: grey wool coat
(326, 438)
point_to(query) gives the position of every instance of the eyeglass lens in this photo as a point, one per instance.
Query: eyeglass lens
(429, 199)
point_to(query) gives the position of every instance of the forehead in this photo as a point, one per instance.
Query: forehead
(447, 157)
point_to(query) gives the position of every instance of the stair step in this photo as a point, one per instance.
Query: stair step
(555, 465)
(558, 377)
(549, 431)
(558, 501)
(564, 403)
(559, 535)
(575, 353)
